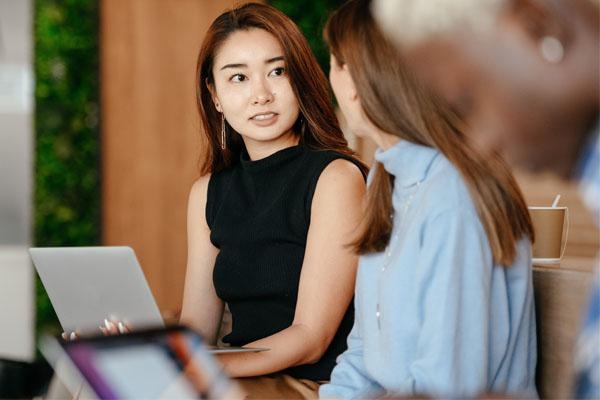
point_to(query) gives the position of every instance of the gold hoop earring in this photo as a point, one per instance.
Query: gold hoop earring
(223, 143)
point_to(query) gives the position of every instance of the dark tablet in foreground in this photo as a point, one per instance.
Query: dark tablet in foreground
(160, 363)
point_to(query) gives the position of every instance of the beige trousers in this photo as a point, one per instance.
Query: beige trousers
(278, 386)
(275, 386)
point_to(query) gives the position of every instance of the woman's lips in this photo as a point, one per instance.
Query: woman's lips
(264, 119)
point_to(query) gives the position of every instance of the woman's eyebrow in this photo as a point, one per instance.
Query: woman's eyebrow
(235, 66)
(272, 60)
(241, 65)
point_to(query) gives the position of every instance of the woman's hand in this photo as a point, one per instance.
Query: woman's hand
(70, 336)
(109, 328)
(112, 328)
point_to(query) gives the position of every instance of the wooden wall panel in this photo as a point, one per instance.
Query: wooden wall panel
(150, 131)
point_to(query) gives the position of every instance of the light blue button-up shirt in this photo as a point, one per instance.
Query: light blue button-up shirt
(436, 316)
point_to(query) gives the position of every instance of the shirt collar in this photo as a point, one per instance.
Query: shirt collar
(408, 162)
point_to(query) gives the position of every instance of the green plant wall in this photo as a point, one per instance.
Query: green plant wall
(311, 16)
(67, 150)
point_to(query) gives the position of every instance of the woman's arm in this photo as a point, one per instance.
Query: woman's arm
(326, 281)
(349, 378)
(202, 308)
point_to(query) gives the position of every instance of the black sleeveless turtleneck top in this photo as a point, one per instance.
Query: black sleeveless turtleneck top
(259, 213)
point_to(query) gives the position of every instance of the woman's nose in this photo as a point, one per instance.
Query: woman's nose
(262, 93)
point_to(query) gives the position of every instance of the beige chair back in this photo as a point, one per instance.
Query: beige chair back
(560, 298)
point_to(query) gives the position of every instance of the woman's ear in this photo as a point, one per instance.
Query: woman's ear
(350, 86)
(213, 95)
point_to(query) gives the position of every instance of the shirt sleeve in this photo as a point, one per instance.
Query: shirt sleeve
(349, 378)
(453, 284)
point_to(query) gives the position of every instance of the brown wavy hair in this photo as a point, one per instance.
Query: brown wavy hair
(397, 104)
(317, 125)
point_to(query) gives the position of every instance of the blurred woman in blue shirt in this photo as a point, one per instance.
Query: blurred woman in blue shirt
(444, 295)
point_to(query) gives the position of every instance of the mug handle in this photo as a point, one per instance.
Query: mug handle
(564, 245)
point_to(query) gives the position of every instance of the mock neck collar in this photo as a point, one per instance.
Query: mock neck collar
(276, 159)
(408, 162)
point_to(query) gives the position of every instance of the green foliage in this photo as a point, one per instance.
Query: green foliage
(67, 181)
(311, 16)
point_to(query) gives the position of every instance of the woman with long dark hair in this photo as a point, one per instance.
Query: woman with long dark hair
(278, 200)
(444, 296)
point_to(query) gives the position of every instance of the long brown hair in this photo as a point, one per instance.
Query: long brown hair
(397, 104)
(317, 125)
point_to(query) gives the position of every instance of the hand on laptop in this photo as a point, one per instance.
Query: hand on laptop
(109, 328)
(113, 328)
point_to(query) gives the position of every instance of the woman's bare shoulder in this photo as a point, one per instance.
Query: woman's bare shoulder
(200, 188)
(344, 172)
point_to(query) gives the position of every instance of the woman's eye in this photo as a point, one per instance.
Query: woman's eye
(238, 78)
(278, 71)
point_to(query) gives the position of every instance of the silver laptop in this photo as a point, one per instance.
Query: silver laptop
(89, 284)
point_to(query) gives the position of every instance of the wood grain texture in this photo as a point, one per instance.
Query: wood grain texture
(151, 131)
(561, 294)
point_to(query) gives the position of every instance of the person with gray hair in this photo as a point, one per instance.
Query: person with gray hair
(524, 76)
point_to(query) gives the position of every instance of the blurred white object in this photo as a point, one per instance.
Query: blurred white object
(17, 301)
(411, 21)
(16, 304)
(16, 89)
